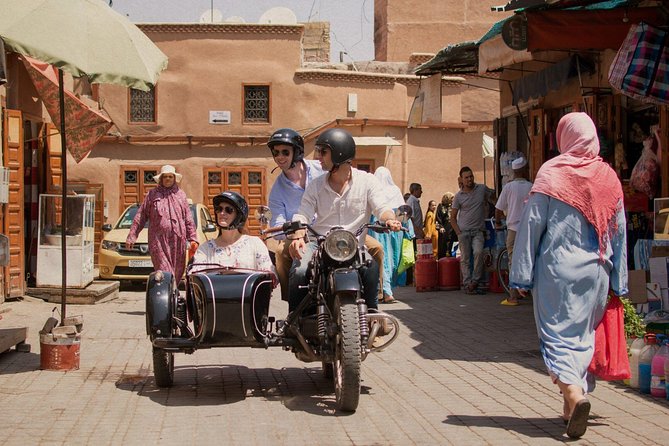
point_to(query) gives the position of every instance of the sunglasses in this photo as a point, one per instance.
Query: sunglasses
(226, 209)
(284, 152)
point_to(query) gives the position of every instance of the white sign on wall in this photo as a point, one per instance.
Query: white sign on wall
(219, 117)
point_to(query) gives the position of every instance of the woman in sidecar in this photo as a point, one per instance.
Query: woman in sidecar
(228, 289)
(232, 248)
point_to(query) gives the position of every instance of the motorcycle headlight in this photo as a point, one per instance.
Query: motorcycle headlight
(341, 245)
(112, 246)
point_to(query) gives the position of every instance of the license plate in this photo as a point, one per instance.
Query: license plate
(140, 263)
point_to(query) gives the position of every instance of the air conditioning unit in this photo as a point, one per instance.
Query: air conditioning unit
(4, 184)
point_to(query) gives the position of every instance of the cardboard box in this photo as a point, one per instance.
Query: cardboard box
(658, 271)
(637, 286)
(653, 293)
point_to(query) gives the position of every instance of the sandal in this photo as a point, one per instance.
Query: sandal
(578, 422)
(389, 300)
(507, 302)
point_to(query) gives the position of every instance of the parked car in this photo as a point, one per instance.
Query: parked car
(118, 262)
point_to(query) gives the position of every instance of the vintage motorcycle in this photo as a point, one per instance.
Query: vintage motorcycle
(228, 307)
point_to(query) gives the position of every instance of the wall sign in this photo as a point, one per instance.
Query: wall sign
(514, 32)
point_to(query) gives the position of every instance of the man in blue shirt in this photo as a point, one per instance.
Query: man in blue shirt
(287, 148)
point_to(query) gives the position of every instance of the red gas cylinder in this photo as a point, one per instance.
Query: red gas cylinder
(424, 248)
(425, 274)
(495, 286)
(449, 273)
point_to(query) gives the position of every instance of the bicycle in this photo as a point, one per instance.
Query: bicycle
(502, 262)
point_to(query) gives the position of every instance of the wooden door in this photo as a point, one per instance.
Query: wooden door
(537, 132)
(136, 182)
(368, 165)
(246, 180)
(14, 273)
(54, 170)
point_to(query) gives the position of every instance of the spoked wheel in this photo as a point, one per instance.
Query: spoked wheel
(163, 367)
(502, 268)
(348, 356)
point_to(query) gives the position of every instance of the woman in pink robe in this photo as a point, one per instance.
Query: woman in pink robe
(171, 226)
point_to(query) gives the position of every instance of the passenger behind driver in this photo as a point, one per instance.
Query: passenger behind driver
(344, 197)
(287, 147)
(232, 248)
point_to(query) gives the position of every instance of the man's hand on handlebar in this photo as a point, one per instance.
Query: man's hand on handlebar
(296, 248)
(394, 225)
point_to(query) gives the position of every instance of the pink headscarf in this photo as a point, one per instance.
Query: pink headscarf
(579, 176)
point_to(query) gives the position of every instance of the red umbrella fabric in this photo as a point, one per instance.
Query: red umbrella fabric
(84, 126)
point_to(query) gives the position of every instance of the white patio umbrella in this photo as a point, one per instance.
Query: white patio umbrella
(84, 38)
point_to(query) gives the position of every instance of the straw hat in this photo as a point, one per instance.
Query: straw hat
(168, 169)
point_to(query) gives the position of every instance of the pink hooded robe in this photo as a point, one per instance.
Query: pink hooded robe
(171, 228)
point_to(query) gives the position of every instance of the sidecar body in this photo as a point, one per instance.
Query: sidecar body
(227, 308)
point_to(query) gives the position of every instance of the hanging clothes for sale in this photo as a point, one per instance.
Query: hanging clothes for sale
(640, 68)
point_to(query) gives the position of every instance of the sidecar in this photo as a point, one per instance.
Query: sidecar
(221, 308)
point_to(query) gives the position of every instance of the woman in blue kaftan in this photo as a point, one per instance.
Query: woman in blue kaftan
(570, 250)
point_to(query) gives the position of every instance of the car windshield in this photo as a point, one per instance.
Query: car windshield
(129, 215)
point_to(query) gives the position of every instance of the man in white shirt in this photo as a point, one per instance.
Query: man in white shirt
(511, 202)
(345, 197)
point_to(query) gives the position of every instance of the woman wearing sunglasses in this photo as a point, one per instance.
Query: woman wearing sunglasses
(232, 247)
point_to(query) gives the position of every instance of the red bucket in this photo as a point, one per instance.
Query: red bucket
(59, 354)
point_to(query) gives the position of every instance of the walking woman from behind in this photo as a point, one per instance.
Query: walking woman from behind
(171, 226)
(570, 249)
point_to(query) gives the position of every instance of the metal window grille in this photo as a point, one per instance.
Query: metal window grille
(142, 105)
(255, 177)
(256, 103)
(234, 178)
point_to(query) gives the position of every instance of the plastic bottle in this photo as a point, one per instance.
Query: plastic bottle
(645, 361)
(657, 380)
(635, 351)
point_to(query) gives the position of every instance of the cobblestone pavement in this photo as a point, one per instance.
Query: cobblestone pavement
(465, 371)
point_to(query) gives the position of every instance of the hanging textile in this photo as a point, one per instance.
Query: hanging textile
(640, 68)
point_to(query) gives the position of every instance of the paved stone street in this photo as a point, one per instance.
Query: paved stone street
(465, 371)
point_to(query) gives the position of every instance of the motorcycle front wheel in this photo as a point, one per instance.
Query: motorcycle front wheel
(163, 367)
(348, 356)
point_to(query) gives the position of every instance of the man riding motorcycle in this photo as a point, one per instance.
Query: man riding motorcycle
(344, 197)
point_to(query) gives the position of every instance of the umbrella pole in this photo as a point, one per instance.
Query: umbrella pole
(63, 184)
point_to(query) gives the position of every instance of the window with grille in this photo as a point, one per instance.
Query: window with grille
(142, 106)
(256, 103)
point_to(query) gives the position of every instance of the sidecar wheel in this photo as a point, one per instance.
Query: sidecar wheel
(328, 370)
(347, 355)
(163, 367)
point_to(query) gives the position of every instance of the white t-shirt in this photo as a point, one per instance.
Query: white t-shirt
(512, 201)
(247, 252)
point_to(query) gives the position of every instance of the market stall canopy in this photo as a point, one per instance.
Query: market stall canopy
(84, 38)
(461, 58)
(530, 4)
(603, 26)
(376, 141)
(84, 125)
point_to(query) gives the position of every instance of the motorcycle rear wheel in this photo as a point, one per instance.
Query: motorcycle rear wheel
(163, 367)
(348, 356)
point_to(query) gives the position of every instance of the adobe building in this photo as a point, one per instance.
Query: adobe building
(226, 89)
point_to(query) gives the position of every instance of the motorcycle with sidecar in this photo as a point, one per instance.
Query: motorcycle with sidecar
(229, 307)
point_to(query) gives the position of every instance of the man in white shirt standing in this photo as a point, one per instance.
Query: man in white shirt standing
(345, 197)
(511, 203)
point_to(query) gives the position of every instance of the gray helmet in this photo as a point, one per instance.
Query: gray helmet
(238, 202)
(341, 145)
(291, 138)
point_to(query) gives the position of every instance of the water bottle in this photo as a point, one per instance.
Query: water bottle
(645, 361)
(657, 380)
(635, 351)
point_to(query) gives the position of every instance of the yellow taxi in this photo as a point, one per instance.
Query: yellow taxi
(120, 263)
